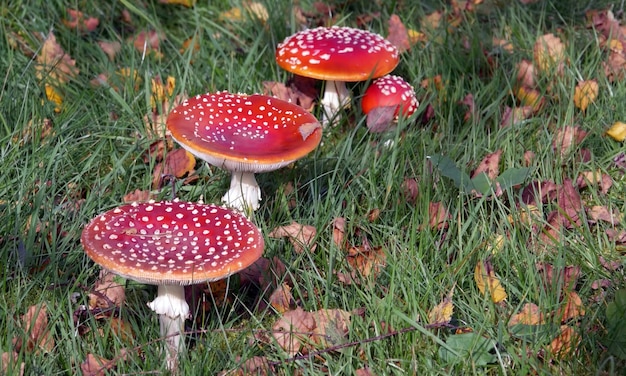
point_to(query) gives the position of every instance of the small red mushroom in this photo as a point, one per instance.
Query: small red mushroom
(386, 99)
(244, 134)
(172, 244)
(337, 55)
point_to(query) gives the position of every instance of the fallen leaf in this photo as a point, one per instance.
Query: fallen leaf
(615, 66)
(441, 314)
(381, 119)
(571, 307)
(373, 215)
(178, 163)
(302, 237)
(502, 44)
(526, 74)
(438, 216)
(138, 196)
(299, 90)
(566, 139)
(365, 371)
(537, 193)
(77, 20)
(486, 280)
(281, 299)
(470, 113)
(564, 279)
(565, 343)
(513, 116)
(595, 178)
(585, 93)
(53, 95)
(530, 314)
(398, 34)
(148, 42)
(617, 131)
(339, 232)
(107, 292)
(549, 54)
(410, 190)
(529, 97)
(257, 365)
(265, 273)
(528, 158)
(8, 364)
(111, 49)
(161, 92)
(95, 365)
(364, 261)
(490, 165)
(35, 324)
(54, 66)
(570, 204)
(293, 329)
(185, 3)
(526, 215)
(331, 326)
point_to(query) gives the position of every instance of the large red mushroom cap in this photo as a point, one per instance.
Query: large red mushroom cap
(337, 54)
(172, 242)
(390, 91)
(239, 132)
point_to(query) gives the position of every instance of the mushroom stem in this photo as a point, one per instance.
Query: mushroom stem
(336, 96)
(172, 308)
(244, 193)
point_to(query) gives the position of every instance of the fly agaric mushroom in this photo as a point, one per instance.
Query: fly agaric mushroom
(244, 134)
(337, 55)
(390, 91)
(172, 244)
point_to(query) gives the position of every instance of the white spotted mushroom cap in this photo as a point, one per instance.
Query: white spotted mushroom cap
(390, 91)
(172, 242)
(337, 54)
(239, 132)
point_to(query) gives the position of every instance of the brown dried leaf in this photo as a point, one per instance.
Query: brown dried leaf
(331, 326)
(111, 49)
(35, 325)
(299, 90)
(53, 64)
(566, 139)
(571, 307)
(537, 193)
(339, 232)
(381, 119)
(570, 204)
(138, 196)
(293, 329)
(107, 292)
(281, 298)
(257, 365)
(438, 216)
(528, 315)
(528, 158)
(264, 273)
(526, 74)
(8, 364)
(564, 279)
(599, 213)
(148, 42)
(177, 163)
(95, 365)
(470, 113)
(302, 237)
(398, 35)
(565, 343)
(513, 116)
(592, 178)
(490, 165)
(549, 54)
(363, 261)
(410, 189)
(77, 20)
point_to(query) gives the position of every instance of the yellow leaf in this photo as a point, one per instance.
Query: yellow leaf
(585, 93)
(549, 53)
(53, 96)
(486, 280)
(495, 243)
(442, 313)
(161, 90)
(617, 131)
(529, 97)
(185, 3)
(528, 315)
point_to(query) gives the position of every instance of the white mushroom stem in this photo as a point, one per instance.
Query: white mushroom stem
(336, 96)
(244, 193)
(172, 308)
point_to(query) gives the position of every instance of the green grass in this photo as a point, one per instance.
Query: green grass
(50, 187)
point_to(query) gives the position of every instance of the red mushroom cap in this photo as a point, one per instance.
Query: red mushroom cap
(239, 132)
(390, 91)
(172, 242)
(337, 54)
